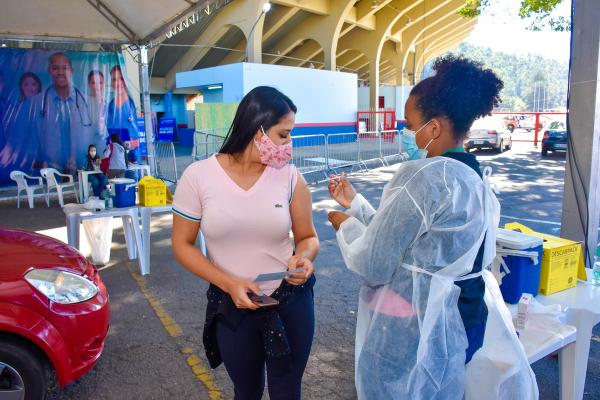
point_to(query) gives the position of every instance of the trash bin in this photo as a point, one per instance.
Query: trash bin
(517, 266)
(99, 234)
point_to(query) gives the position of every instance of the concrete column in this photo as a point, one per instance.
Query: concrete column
(374, 85)
(254, 41)
(581, 203)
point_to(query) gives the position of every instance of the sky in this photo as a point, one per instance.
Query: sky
(500, 28)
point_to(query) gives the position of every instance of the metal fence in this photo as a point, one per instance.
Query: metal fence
(343, 150)
(390, 146)
(166, 161)
(206, 144)
(325, 154)
(370, 147)
(317, 155)
(309, 153)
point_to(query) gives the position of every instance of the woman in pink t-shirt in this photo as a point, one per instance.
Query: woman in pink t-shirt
(246, 200)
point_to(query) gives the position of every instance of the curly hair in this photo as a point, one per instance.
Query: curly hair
(461, 90)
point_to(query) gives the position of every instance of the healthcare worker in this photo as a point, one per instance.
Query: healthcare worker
(426, 308)
(65, 121)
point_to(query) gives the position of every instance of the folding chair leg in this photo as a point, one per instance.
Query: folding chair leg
(29, 197)
(60, 196)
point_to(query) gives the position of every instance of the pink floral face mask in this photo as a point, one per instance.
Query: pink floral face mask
(271, 154)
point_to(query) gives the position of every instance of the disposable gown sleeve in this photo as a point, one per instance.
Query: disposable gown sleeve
(375, 251)
(361, 209)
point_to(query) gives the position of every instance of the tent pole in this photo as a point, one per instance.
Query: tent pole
(146, 108)
(581, 201)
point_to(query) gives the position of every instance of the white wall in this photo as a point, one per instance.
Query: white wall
(402, 93)
(230, 76)
(363, 98)
(395, 97)
(321, 96)
(389, 93)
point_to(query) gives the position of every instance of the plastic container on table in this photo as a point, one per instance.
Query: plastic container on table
(152, 192)
(521, 270)
(124, 192)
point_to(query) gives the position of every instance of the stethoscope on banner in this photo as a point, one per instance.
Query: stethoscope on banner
(78, 94)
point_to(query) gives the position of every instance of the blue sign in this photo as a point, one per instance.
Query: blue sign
(166, 130)
(142, 132)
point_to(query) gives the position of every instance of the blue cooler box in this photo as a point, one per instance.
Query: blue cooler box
(523, 275)
(124, 190)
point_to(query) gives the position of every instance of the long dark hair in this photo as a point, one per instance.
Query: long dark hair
(262, 106)
(88, 153)
(116, 138)
(96, 72)
(33, 76)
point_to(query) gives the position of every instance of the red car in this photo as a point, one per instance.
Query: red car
(54, 314)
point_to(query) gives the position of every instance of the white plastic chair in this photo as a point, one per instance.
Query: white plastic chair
(20, 178)
(52, 182)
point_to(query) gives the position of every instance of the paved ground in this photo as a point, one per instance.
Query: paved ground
(154, 351)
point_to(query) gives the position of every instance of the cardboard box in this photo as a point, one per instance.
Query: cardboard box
(562, 261)
(523, 310)
(152, 192)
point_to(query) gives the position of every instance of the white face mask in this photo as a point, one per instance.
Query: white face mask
(93, 153)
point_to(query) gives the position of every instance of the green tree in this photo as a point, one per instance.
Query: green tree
(531, 82)
(539, 10)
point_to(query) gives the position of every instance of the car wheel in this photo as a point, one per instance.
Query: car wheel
(21, 370)
(500, 147)
(544, 151)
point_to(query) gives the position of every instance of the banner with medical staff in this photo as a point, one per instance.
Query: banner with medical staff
(54, 104)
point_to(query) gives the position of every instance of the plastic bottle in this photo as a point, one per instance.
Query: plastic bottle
(596, 269)
(108, 197)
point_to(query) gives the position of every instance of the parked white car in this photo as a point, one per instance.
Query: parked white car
(489, 133)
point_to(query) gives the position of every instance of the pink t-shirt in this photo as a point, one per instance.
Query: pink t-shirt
(247, 232)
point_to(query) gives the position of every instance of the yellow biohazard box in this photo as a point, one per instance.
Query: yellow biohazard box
(152, 192)
(562, 261)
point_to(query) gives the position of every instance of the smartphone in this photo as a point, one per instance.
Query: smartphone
(278, 275)
(262, 301)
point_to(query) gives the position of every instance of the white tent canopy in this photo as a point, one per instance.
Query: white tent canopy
(116, 21)
(136, 22)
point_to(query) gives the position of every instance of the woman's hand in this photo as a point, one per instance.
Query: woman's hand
(296, 262)
(341, 190)
(337, 218)
(238, 290)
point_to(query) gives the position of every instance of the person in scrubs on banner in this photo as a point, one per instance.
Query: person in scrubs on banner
(121, 112)
(3, 105)
(21, 141)
(98, 106)
(65, 119)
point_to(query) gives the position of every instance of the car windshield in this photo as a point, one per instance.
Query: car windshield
(557, 125)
